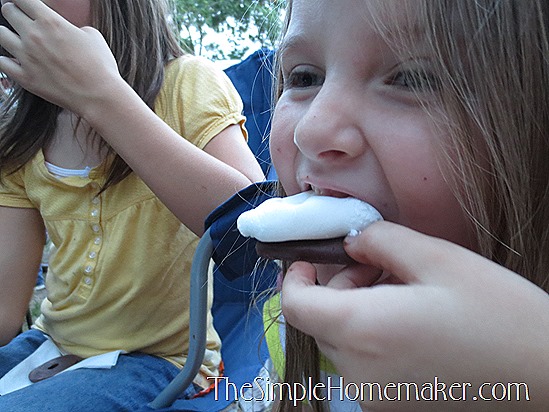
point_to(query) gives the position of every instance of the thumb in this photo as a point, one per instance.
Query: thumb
(411, 256)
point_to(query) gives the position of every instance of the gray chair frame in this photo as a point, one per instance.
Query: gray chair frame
(197, 326)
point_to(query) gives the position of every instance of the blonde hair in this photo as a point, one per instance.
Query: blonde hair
(491, 64)
(142, 41)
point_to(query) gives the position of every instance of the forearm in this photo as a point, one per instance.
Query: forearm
(22, 238)
(189, 182)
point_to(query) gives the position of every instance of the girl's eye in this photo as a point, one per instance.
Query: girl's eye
(300, 78)
(415, 80)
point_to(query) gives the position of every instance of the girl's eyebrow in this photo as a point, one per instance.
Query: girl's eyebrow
(289, 43)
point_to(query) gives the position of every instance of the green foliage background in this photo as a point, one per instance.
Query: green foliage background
(231, 16)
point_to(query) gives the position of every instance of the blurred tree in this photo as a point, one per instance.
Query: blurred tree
(255, 20)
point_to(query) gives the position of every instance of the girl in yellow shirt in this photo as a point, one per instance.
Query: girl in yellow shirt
(119, 271)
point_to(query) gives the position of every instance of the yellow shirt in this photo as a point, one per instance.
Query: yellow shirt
(119, 272)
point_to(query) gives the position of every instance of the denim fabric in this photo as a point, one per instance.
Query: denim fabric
(40, 279)
(135, 381)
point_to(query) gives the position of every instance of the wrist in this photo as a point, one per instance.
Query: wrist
(107, 103)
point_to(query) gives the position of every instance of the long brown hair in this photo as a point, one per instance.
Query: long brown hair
(490, 62)
(497, 98)
(142, 41)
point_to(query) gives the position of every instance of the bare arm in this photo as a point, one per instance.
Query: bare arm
(22, 237)
(75, 69)
(230, 147)
(189, 181)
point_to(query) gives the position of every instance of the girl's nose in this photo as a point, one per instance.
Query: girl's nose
(330, 129)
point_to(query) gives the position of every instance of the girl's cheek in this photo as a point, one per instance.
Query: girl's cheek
(282, 147)
(285, 119)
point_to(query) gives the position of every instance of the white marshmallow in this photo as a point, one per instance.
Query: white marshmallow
(306, 216)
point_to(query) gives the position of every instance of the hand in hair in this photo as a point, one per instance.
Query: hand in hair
(73, 74)
(75, 69)
(456, 317)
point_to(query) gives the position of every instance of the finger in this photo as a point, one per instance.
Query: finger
(307, 306)
(14, 15)
(10, 67)
(354, 276)
(32, 8)
(410, 255)
(9, 40)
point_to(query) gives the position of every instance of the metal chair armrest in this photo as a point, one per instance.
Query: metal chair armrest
(197, 325)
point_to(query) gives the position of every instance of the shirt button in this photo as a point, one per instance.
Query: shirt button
(95, 213)
(88, 269)
(92, 255)
(95, 200)
(97, 241)
(95, 228)
(87, 280)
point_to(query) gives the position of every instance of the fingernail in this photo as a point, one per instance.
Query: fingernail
(351, 237)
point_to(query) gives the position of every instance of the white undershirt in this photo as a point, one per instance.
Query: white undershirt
(61, 172)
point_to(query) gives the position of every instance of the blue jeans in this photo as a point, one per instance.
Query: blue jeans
(135, 381)
(40, 278)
